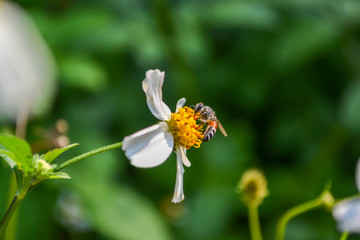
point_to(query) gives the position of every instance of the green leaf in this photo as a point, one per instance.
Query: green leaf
(19, 177)
(83, 72)
(21, 152)
(217, 202)
(57, 175)
(292, 49)
(350, 106)
(350, 11)
(118, 213)
(249, 14)
(8, 157)
(51, 155)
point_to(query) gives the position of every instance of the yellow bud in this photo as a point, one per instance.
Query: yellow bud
(253, 187)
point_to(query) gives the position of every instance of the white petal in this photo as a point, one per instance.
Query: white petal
(347, 214)
(357, 175)
(152, 87)
(179, 192)
(180, 104)
(183, 156)
(27, 67)
(149, 147)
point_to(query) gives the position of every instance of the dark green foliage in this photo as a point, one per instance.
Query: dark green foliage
(282, 75)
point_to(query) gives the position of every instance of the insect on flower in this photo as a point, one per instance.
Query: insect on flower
(176, 131)
(207, 116)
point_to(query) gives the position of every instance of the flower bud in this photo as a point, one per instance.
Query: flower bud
(41, 171)
(42, 165)
(253, 187)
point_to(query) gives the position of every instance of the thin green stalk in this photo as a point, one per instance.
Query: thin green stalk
(20, 132)
(254, 222)
(293, 212)
(11, 226)
(25, 188)
(9, 213)
(87, 155)
(344, 236)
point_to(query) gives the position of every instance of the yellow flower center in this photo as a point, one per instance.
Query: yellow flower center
(184, 128)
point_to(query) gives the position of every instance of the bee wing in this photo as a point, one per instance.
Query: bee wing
(222, 130)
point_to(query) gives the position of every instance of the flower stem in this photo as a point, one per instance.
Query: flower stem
(87, 155)
(344, 236)
(19, 196)
(324, 199)
(254, 222)
(11, 226)
(20, 132)
(9, 213)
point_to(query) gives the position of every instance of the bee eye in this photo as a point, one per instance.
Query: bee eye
(198, 107)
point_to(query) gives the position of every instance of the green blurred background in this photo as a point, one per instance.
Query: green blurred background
(282, 75)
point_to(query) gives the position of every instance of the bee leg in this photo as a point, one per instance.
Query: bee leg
(202, 120)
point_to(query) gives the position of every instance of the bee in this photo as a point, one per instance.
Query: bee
(207, 116)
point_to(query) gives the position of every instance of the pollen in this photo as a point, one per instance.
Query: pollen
(184, 128)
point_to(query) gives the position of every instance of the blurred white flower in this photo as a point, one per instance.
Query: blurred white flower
(347, 212)
(71, 213)
(27, 69)
(151, 146)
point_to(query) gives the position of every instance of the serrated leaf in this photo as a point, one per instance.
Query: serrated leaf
(51, 155)
(57, 175)
(8, 157)
(21, 152)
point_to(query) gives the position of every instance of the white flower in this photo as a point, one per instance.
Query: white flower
(27, 67)
(151, 146)
(347, 212)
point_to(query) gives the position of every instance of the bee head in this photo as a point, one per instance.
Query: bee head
(198, 107)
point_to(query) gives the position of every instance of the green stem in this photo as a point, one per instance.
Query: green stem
(11, 226)
(87, 155)
(254, 222)
(19, 196)
(344, 236)
(293, 212)
(9, 213)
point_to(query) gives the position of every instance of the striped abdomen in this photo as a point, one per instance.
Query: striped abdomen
(209, 131)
